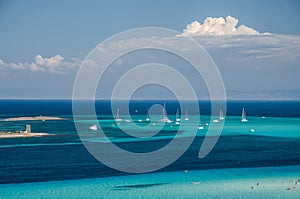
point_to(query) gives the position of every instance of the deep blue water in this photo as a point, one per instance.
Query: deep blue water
(64, 157)
(64, 107)
(61, 162)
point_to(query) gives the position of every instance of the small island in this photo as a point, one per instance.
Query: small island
(18, 134)
(21, 134)
(37, 118)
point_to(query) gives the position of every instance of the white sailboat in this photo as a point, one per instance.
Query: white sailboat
(177, 117)
(200, 127)
(244, 116)
(164, 117)
(127, 120)
(186, 117)
(215, 121)
(221, 115)
(93, 127)
(147, 118)
(118, 119)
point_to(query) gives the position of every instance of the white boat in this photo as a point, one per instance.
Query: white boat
(215, 121)
(200, 127)
(164, 117)
(93, 127)
(177, 116)
(118, 119)
(186, 117)
(221, 115)
(244, 116)
(147, 118)
(128, 120)
(140, 120)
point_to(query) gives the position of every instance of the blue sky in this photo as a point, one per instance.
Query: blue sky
(72, 29)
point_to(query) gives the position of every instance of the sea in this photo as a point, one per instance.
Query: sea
(261, 156)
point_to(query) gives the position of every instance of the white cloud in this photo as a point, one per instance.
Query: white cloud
(18, 66)
(51, 62)
(34, 67)
(218, 26)
(55, 64)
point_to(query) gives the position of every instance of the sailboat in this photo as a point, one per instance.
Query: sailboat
(215, 121)
(221, 115)
(244, 115)
(186, 117)
(164, 117)
(118, 119)
(177, 117)
(93, 127)
(200, 127)
(148, 118)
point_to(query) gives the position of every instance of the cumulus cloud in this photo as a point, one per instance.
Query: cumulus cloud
(218, 26)
(56, 64)
(51, 62)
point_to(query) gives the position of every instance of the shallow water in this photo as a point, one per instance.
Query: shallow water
(264, 182)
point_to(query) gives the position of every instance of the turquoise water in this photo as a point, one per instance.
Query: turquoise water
(60, 167)
(225, 183)
(266, 126)
(273, 182)
(256, 126)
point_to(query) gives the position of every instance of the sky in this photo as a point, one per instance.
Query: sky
(42, 43)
